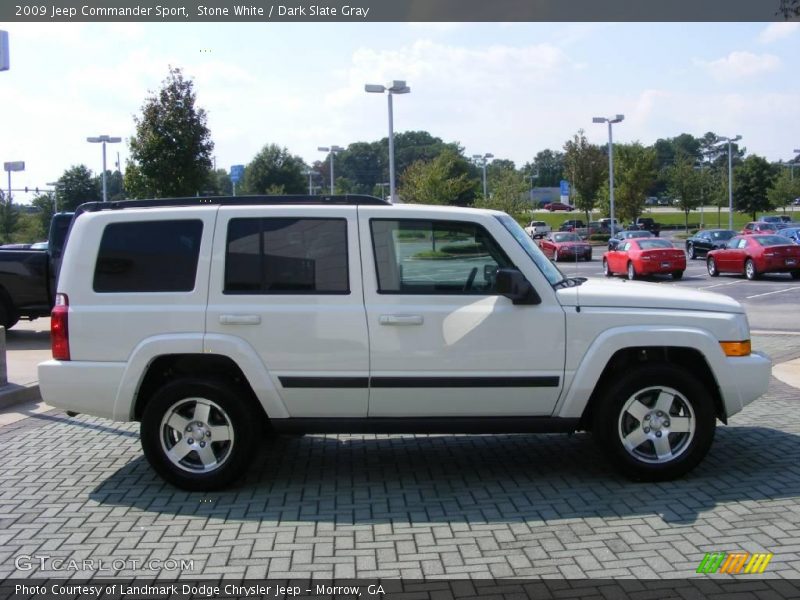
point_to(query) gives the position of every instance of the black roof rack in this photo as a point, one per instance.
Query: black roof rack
(346, 199)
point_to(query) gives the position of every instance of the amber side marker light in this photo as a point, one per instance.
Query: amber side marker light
(736, 348)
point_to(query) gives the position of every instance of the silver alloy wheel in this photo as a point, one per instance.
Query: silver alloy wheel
(750, 269)
(692, 252)
(656, 425)
(631, 271)
(196, 435)
(712, 267)
(606, 270)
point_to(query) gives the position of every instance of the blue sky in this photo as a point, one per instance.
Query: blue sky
(508, 89)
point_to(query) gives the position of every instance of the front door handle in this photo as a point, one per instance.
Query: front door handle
(239, 319)
(401, 320)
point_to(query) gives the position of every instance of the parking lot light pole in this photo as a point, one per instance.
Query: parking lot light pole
(729, 141)
(483, 158)
(332, 150)
(791, 169)
(104, 139)
(610, 121)
(18, 165)
(397, 87)
(55, 185)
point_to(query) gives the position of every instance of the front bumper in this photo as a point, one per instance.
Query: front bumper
(745, 379)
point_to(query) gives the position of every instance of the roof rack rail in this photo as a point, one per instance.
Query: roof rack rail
(346, 199)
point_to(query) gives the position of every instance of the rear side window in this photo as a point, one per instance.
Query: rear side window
(148, 256)
(286, 256)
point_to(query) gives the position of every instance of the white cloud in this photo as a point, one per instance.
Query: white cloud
(777, 31)
(739, 64)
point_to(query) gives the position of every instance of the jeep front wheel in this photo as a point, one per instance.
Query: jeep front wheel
(656, 423)
(199, 434)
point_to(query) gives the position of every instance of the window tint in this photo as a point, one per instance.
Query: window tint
(435, 257)
(286, 256)
(654, 244)
(148, 256)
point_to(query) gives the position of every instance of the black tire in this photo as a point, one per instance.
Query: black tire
(677, 275)
(691, 251)
(631, 271)
(795, 274)
(711, 265)
(229, 414)
(750, 269)
(606, 271)
(663, 398)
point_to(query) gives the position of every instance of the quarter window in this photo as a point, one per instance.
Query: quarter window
(435, 257)
(286, 256)
(148, 256)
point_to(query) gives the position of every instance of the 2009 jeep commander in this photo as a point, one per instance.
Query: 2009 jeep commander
(216, 320)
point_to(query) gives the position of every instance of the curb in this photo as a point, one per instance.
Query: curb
(12, 393)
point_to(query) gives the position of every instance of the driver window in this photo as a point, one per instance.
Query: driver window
(435, 257)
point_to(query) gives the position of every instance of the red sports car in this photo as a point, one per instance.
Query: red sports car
(565, 244)
(645, 256)
(558, 206)
(755, 254)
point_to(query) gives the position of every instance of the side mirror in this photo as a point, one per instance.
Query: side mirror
(513, 285)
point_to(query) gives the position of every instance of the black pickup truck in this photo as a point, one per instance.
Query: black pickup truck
(28, 277)
(646, 224)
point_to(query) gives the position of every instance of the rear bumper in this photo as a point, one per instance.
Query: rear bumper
(89, 388)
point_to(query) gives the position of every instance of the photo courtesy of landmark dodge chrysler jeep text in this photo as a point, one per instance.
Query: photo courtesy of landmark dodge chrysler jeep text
(217, 321)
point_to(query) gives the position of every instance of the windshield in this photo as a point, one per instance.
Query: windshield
(566, 237)
(722, 235)
(547, 268)
(654, 243)
(773, 240)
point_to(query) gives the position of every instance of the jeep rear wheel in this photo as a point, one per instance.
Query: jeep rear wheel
(199, 434)
(656, 423)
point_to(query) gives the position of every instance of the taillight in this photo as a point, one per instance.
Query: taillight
(59, 329)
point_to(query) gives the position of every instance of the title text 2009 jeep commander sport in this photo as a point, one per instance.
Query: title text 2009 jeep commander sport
(215, 321)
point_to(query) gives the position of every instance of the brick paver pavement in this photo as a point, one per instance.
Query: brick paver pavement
(404, 506)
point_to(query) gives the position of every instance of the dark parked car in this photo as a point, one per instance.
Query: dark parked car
(793, 233)
(571, 225)
(646, 224)
(614, 241)
(709, 239)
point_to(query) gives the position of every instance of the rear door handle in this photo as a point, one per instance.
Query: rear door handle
(239, 319)
(401, 320)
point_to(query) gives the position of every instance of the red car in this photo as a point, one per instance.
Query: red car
(565, 244)
(756, 254)
(558, 206)
(761, 227)
(645, 256)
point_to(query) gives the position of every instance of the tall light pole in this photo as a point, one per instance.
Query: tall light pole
(18, 165)
(104, 139)
(791, 168)
(397, 87)
(332, 150)
(55, 185)
(309, 172)
(610, 121)
(484, 158)
(729, 141)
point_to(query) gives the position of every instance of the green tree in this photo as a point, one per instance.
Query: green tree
(685, 184)
(548, 167)
(634, 175)
(508, 192)
(9, 216)
(586, 167)
(442, 180)
(275, 168)
(172, 147)
(751, 183)
(45, 204)
(76, 186)
(784, 189)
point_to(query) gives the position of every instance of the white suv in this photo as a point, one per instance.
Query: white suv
(217, 321)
